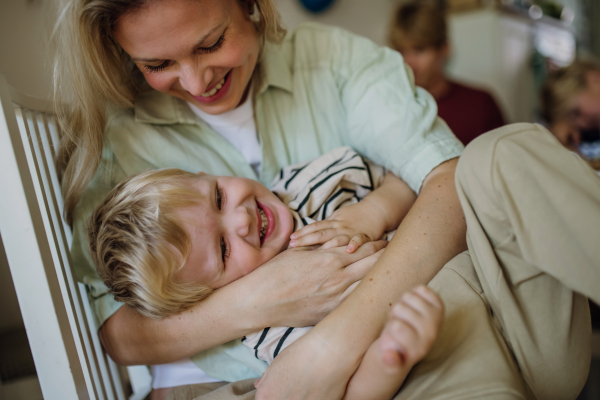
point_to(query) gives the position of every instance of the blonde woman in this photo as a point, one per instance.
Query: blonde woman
(211, 85)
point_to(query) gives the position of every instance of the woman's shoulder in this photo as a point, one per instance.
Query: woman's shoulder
(313, 45)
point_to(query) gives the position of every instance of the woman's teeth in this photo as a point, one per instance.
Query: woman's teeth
(215, 89)
(264, 223)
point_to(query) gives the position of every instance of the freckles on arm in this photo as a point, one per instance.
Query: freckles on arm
(431, 234)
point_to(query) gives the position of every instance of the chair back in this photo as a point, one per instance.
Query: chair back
(61, 328)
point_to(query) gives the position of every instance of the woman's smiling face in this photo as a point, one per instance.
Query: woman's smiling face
(201, 51)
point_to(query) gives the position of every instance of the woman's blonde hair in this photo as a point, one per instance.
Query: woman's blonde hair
(561, 87)
(422, 22)
(92, 73)
(138, 242)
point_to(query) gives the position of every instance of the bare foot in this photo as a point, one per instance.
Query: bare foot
(412, 328)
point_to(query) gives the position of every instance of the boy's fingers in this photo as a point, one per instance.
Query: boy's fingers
(321, 236)
(356, 241)
(340, 240)
(315, 226)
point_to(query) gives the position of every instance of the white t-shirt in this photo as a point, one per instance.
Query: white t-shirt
(179, 373)
(239, 128)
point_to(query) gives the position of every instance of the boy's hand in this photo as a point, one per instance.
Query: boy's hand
(413, 326)
(350, 226)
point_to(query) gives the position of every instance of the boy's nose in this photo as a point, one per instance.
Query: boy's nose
(242, 221)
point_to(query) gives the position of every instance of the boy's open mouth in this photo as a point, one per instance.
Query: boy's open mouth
(264, 224)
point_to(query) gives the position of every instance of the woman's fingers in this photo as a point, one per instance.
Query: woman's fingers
(357, 270)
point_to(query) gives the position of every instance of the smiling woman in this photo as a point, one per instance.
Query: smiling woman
(194, 84)
(205, 59)
(164, 85)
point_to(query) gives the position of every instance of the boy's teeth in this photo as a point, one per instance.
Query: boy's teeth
(215, 89)
(264, 223)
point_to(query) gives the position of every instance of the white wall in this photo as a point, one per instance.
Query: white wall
(23, 62)
(367, 18)
(22, 50)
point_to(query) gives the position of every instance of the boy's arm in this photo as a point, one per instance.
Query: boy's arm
(379, 212)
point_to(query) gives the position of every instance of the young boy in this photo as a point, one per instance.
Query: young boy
(163, 240)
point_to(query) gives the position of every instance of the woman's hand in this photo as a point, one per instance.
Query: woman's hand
(299, 287)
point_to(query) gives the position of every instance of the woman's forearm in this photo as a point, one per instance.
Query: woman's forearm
(431, 234)
(132, 339)
(286, 291)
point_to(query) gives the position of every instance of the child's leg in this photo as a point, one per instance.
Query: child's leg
(411, 330)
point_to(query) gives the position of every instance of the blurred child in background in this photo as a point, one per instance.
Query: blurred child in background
(570, 105)
(419, 32)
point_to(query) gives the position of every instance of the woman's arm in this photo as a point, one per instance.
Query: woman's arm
(432, 233)
(286, 291)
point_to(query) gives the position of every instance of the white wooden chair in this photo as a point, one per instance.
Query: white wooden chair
(69, 359)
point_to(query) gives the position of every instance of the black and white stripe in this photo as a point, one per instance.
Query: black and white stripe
(313, 191)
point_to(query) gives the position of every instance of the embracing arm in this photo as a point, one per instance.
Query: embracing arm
(131, 338)
(430, 235)
(286, 291)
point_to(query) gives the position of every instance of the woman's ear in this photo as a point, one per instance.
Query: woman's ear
(247, 6)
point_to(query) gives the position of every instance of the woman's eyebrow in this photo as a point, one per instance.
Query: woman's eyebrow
(198, 44)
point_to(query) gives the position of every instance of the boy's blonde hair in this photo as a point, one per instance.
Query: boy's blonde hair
(93, 74)
(422, 22)
(138, 242)
(561, 87)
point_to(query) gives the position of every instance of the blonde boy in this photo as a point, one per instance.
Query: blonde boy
(163, 240)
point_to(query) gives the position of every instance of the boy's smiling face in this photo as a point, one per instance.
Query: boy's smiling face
(237, 226)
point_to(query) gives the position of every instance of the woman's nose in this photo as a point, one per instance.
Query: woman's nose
(194, 79)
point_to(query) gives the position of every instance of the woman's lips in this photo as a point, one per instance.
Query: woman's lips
(270, 221)
(220, 93)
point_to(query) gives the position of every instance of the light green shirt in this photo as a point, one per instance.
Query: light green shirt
(321, 89)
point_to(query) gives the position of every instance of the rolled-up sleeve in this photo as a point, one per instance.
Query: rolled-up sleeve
(389, 119)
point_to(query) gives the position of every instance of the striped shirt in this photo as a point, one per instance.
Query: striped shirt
(313, 191)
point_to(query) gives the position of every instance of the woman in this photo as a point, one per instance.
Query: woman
(322, 88)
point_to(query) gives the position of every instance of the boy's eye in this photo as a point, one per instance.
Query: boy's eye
(224, 252)
(219, 198)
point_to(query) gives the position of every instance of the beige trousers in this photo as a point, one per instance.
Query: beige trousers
(517, 322)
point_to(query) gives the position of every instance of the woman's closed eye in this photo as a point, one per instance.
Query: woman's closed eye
(156, 68)
(210, 49)
(214, 47)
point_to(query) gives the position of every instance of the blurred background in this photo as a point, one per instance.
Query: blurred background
(506, 48)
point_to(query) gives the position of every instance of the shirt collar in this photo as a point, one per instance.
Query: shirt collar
(276, 68)
(159, 108)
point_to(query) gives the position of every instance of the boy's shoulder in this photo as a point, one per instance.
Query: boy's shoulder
(306, 186)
